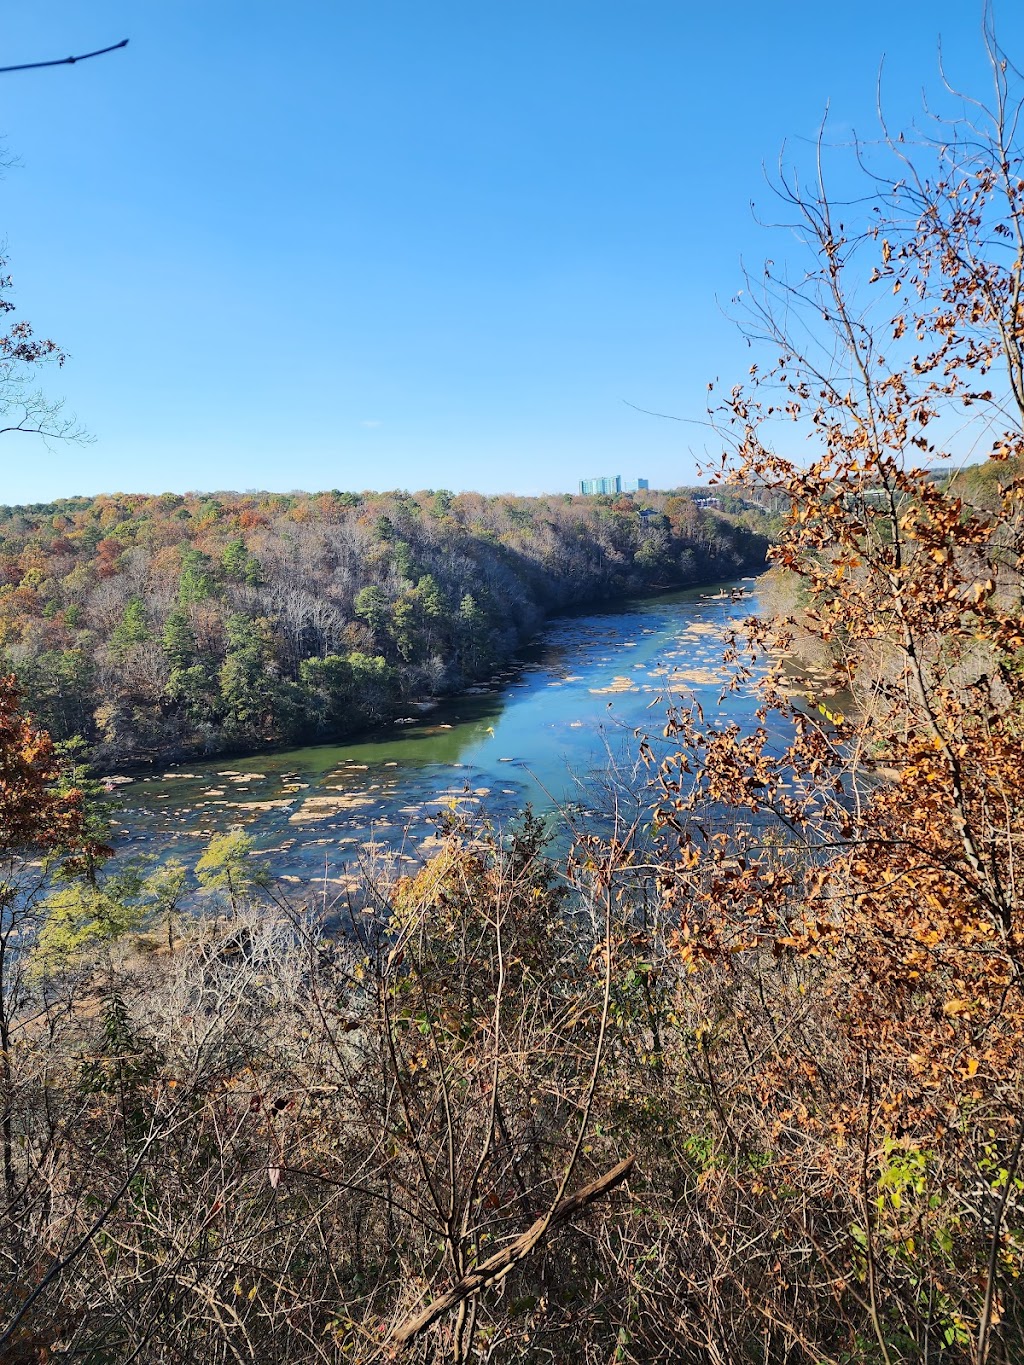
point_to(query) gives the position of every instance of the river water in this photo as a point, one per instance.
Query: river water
(555, 730)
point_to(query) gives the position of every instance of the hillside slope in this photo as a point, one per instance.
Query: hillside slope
(161, 627)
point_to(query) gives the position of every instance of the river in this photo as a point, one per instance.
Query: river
(547, 731)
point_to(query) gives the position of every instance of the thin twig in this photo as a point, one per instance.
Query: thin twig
(65, 61)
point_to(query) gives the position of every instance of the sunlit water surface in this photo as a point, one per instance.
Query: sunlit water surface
(556, 731)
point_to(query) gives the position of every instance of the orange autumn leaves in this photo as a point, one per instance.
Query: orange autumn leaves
(34, 815)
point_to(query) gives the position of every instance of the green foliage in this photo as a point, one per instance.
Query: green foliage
(404, 561)
(431, 599)
(196, 582)
(247, 677)
(83, 918)
(473, 636)
(165, 888)
(405, 624)
(76, 776)
(196, 690)
(441, 504)
(234, 558)
(374, 683)
(123, 1064)
(228, 866)
(373, 605)
(179, 639)
(56, 684)
(240, 565)
(327, 689)
(340, 692)
(133, 629)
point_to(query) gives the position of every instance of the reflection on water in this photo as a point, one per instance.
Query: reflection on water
(541, 733)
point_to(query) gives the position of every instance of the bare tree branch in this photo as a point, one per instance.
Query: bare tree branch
(499, 1265)
(65, 61)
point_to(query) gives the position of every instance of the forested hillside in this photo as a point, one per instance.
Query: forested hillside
(981, 485)
(158, 627)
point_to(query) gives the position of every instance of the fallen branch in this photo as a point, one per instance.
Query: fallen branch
(499, 1265)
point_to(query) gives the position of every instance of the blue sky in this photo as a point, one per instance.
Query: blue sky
(385, 243)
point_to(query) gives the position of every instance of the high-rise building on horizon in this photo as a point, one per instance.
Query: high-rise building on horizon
(611, 483)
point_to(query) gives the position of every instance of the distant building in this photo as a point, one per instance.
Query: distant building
(611, 483)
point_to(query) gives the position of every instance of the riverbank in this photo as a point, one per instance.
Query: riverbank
(558, 729)
(157, 629)
(413, 710)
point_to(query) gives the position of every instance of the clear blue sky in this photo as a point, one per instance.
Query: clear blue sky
(390, 243)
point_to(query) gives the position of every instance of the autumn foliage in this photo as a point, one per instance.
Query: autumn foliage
(846, 881)
(33, 814)
(157, 627)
